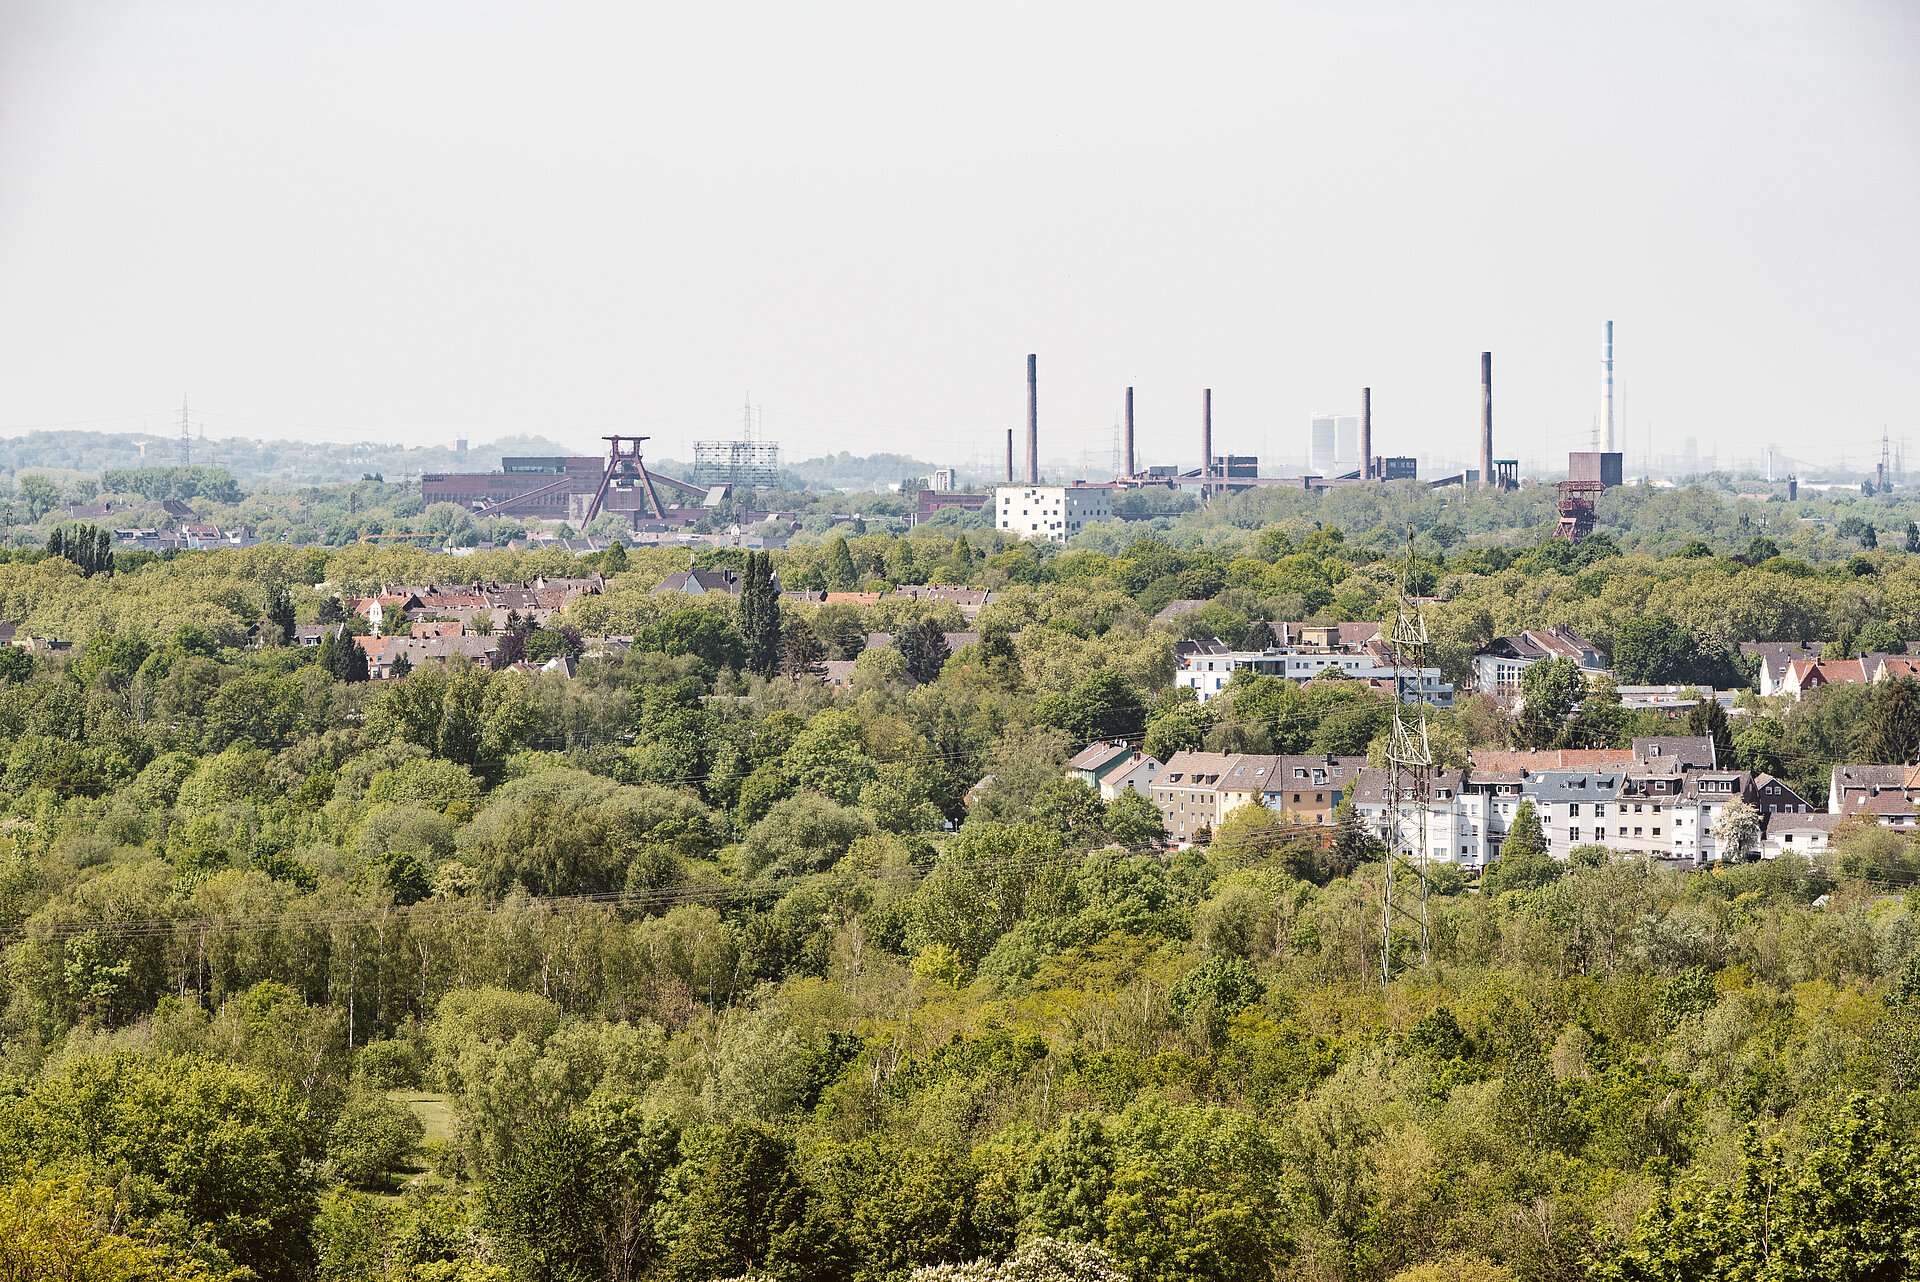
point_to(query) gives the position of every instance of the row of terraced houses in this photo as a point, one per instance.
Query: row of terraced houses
(1662, 799)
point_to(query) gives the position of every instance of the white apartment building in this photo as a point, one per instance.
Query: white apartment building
(1452, 825)
(1052, 512)
(1205, 668)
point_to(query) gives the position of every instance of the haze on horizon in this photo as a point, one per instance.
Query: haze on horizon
(407, 222)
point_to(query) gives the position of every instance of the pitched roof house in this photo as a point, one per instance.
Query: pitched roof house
(1498, 664)
(1113, 768)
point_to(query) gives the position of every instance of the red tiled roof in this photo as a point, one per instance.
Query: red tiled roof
(1512, 761)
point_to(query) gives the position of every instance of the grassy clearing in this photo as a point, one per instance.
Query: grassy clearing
(434, 1112)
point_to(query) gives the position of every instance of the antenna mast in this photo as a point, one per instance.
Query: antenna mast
(186, 439)
(1409, 774)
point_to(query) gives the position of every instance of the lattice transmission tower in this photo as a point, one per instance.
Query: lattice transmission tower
(1409, 778)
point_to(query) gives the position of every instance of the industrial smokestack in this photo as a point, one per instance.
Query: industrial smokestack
(1206, 443)
(1129, 471)
(1606, 393)
(1033, 420)
(1009, 456)
(1486, 418)
(1366, 433)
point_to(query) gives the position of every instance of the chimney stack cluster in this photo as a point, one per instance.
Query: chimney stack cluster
(1369, 470)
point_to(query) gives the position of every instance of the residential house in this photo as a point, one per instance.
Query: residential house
(1773, 658)
(1490, 799)
(383, 650)
(1311, 787)
(1450, 834)
(383, 611)
(1891, 667)
(1668, 808)
(1572, 805)
(1327, 636)
(1497, 666)
(1798, 834)
(1533, 760)
(1188, 793)
(702, 582)
(1696, 751)
(198, 536)
(1773, 796)
(308, 635)
(969, 601)
(1112, 768)
(1850, 785)
(1206, 667)
(1804, 676)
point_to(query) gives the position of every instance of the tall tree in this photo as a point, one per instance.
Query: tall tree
(752, 1213)
(1549, 688)
(1845, 1213)
(1651, 649)
(1889, 732)
(1259, 636)
(759, 614)
(1709, 720)
(342, 656)
(1524, 863)
(802, 649)
(279, 612)
(87, 546)
(924, 646)
(1600, 722)
(841, 576)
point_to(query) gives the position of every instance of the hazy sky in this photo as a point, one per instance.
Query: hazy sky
(402, 221)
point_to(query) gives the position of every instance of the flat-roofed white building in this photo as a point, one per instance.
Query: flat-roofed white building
(1052, 512)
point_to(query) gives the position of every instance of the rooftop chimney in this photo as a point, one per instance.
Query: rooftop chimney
(1129, 460)
(1486, 418)
(1366, 433)
(1206, 443)
(1033, 420)
(1009, 456)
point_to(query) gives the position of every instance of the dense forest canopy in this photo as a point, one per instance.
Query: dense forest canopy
(691, 965)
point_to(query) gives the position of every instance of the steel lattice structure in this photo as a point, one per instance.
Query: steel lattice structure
(1409, 778)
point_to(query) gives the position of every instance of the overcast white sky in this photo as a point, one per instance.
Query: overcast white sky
(401, 221)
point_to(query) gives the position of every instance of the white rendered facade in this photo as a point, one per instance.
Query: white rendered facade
(1052, 512)
(1207, 674)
